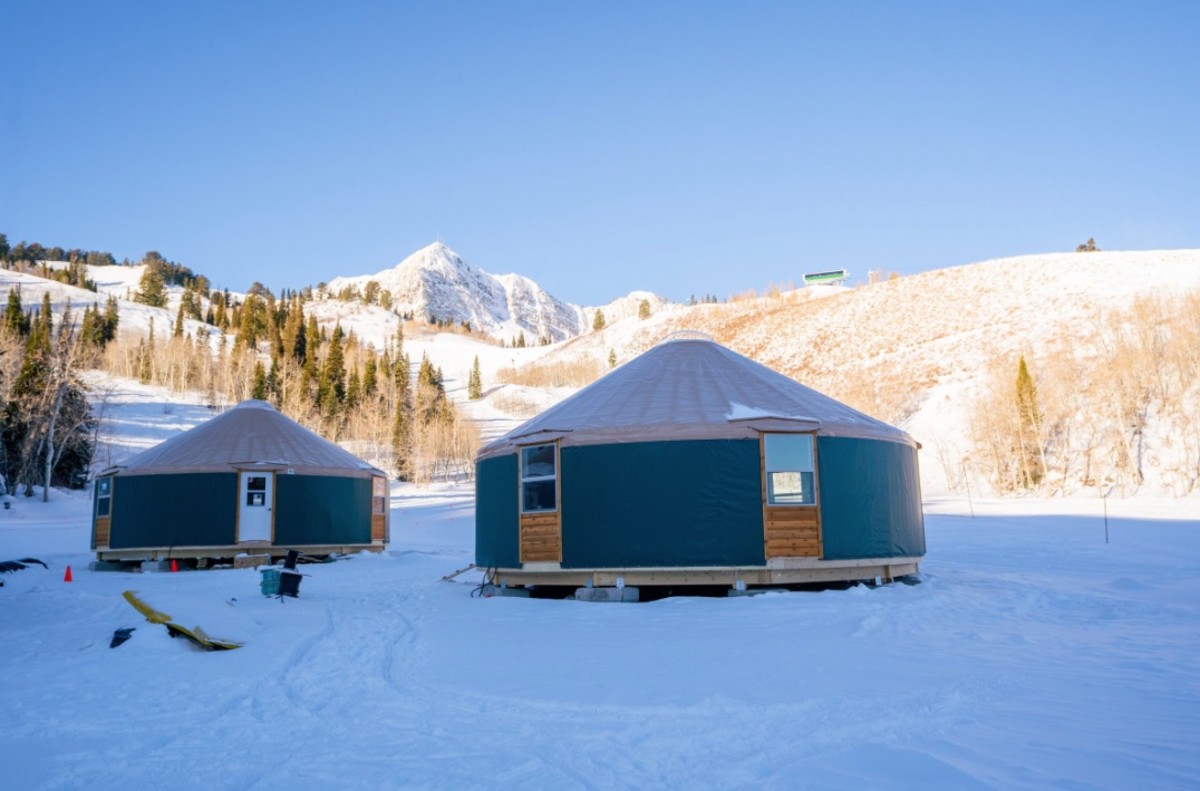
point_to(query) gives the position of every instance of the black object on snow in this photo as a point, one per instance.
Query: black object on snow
(289, 584)
(121, 635)
(290, 561)
(9, 566)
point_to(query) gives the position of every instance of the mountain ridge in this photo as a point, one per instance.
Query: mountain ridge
(437, 284)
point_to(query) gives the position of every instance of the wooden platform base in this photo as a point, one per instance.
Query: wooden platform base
(778, 571)
(232, 551)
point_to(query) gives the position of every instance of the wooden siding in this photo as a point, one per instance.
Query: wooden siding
(541, 538)
(379, 503)
(792, 531)
(103, 525)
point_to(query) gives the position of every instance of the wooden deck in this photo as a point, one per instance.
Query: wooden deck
(230, 551)
(778, 571)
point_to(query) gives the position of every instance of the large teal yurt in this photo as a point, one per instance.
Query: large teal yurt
(248, 481)
(693, 464)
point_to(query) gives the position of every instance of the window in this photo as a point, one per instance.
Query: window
(256, 491)
(789, 468)
(378, 496)
(104, 497)
(539, 478)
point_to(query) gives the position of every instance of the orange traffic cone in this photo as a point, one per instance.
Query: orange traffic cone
(174, 566)
(67, 576)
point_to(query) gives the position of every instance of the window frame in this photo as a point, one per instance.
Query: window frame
(767, 471)
(378, 496)
(104, 489)
(523, 480)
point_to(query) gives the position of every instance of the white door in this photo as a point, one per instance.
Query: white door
(255, 502)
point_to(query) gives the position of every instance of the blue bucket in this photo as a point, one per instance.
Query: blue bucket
(270, 582)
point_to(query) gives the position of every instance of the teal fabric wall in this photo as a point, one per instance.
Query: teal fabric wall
(312, 509)
(496, 517)
(173, 510)
(684, 503)
(200, 509)
(870, 499)
(698, 503)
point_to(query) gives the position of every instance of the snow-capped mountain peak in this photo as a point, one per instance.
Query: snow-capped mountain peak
(437, 284)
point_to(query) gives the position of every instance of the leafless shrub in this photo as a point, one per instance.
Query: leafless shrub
(567, 373)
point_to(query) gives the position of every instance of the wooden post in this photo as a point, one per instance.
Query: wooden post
(967, 481)
(1106, 517)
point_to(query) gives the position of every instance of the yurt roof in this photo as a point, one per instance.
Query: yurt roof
(251, 435)
(691, 389)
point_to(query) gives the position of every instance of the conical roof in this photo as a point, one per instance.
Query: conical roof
(251, 435)
(691, 389)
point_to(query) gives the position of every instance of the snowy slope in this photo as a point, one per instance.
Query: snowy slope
(1032, 655)
(135, 318)
(927, 336)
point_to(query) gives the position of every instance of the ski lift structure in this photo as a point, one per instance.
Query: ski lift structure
(832, 277)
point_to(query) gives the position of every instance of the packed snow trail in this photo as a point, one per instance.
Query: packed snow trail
(1032, 654)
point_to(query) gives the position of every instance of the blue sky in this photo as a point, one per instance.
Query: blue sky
(599, 147)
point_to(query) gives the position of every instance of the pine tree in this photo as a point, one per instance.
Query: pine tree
(598, 322)
(644, 309)
(46, 429)
(612, 358)
(219, 319)
(178, 330)
(475, 382)
(14, 313)
(88, 327)
(331, 387)
(146, 358)
(259, 389)
(294, 340)
(430, 393)
(402, 414)
(370, 381)
(353, 389)
(112, 317)
(191, 305)
(152, 289)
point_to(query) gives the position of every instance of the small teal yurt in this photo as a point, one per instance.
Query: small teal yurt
(250, 480)
(693, 464)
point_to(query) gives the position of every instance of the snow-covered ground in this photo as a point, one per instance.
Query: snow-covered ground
(1032, 654)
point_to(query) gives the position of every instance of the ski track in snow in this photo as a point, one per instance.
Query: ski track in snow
(1031, 655)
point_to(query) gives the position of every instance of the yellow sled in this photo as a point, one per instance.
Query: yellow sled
(195, 634)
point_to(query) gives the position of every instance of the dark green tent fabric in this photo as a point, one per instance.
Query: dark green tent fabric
(196, 509)
(496, 516)
(689, 503)
(870, 499)
(312, 509)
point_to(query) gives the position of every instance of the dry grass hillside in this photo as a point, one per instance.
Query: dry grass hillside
(920, 351)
